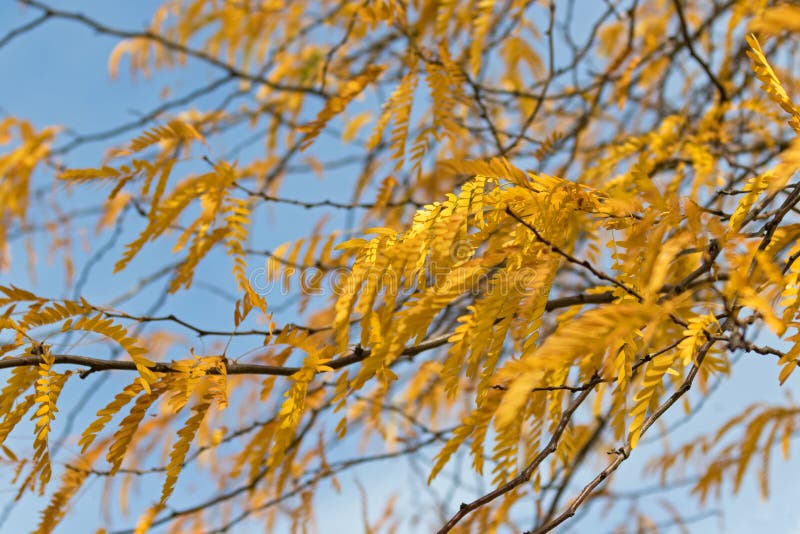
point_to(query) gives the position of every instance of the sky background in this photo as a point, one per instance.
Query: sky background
(57, 75)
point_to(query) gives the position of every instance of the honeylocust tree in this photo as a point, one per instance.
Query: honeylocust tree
(508, 247)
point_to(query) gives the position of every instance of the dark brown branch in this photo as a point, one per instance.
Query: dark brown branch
(232, 368)
(550, 75)
(580, 298)
(172, 46)
(624, 452)
(526, 473)
(723, 95)
(358, 354)
(572, 259)
(19, 30)
(325, 203)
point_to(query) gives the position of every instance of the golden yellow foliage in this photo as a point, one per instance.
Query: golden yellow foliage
(363, 232)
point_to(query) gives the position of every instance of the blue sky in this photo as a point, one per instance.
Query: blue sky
(57, 75)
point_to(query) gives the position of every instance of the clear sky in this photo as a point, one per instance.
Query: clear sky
(57, 75)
